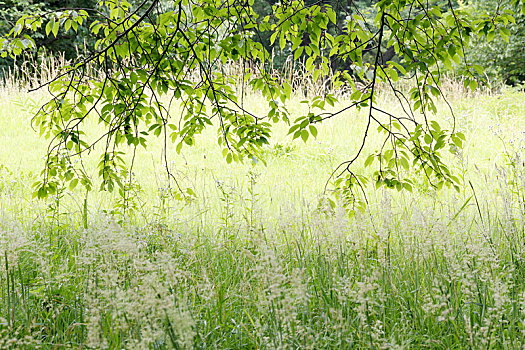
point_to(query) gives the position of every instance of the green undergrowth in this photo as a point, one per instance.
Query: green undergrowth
(411, 280)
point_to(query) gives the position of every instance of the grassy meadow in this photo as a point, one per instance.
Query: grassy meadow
(250, 262)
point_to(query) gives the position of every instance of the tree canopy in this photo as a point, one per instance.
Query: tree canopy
(152, 51)
(502, 56)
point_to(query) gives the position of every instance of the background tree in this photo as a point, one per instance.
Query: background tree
(502, 52)
(64, 44)
(155, 51)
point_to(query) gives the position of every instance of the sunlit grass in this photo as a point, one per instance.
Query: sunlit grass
(250, 262)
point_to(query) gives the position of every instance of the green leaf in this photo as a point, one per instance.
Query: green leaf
(50, 25)
(399, 67)
(273, 37)
(478, 68)
(490, 35)
(393, 75)
(473, 85)
(309, 63)
(298, 53)
(332, 15)
(304, 135)
(293, 128)
(505, 33)
(42, 193)
(435, 126)
(313, 131)
(404, 163)
(282, 42)
(369, 160)
(56, 26)
(67, 25)
(73, 184)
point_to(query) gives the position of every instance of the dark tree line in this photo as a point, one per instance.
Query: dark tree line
(503, 60)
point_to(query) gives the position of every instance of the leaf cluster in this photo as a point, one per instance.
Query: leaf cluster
(150, 54)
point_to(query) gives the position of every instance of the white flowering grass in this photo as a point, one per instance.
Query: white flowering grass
(251, 263)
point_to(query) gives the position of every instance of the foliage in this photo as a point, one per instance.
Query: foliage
(150, 53)
(65, 44)
(502, 55)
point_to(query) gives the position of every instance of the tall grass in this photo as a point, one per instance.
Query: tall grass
(253, 261)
